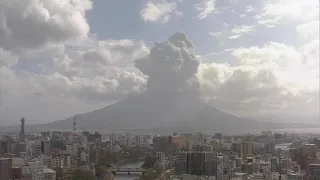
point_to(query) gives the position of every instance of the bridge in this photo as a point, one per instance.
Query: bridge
(128, 170)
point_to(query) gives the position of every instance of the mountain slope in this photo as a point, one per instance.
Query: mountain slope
(157, 112)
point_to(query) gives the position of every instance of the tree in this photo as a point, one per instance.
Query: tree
(160, 170)
(80, 174)
(149, 162)
(101, 170)
(149, 175)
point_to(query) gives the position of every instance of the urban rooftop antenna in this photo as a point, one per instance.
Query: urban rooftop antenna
(22, 129)
(74, 124)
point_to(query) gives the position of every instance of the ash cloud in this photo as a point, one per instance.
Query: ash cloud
(171, 66)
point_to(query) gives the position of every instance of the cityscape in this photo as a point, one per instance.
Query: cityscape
(159, 90)
(83, 155)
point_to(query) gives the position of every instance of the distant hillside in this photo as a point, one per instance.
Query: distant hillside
(157, 112)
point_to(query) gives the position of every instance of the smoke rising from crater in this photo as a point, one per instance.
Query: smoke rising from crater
(171, 65)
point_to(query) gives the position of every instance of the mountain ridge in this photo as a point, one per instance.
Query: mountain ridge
(157, 111)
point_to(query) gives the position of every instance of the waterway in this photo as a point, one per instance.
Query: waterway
(125, 176)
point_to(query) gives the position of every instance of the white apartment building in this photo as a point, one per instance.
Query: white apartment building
(160, 158)
(47, 174)
(35, 170)
(61, 161)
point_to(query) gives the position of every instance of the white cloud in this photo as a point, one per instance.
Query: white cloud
(159, 11)
(78, 79)
(206, 8)
(33, 23)
(29, 97)
(240, 31)
(7, 59)
(272, 79)
(290, 63)
(216, 34)
(249, 9)
(283, 11)
(309, 31)
(233, 33)
(277, 53)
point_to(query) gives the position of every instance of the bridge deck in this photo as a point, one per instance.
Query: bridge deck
(128, 170)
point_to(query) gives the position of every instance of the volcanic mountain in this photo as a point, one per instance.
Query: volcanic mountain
(158, 112)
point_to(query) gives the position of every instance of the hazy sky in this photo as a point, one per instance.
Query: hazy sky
(59, 58)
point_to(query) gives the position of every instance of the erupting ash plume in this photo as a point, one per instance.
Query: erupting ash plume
(171, 66)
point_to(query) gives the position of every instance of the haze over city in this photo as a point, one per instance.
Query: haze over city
(252, 59)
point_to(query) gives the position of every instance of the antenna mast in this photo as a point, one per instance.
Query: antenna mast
(74, 124)
(22, 129)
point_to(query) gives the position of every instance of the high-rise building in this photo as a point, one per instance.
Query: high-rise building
(162, 143)
(5, 168)
(314, 172)
(309, 151)
(196, 163)
(20, 148)
(309, 156)
(57, 146)
(17, 173)
(128, 140)
(237, 147)
(181, 162)
(45, 147)
(274, 164)
(5, 146)
(285, 165)
(113, 138)
(316, 142)
(160, 158)
(247, 149)
(36, 148)
(141, 141)
(137, 141)
(210, 166)
(269, 146)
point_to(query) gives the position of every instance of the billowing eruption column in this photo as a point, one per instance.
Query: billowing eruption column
(171, 66)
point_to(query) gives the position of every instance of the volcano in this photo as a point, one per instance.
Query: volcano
(149, 111)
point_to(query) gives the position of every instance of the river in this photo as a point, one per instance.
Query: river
(125, 176)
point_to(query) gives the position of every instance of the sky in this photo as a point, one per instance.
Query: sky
(257, 58)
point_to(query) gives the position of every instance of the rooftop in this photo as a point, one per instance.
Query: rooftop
(309, 145)
(314, 164)
(47, 170)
